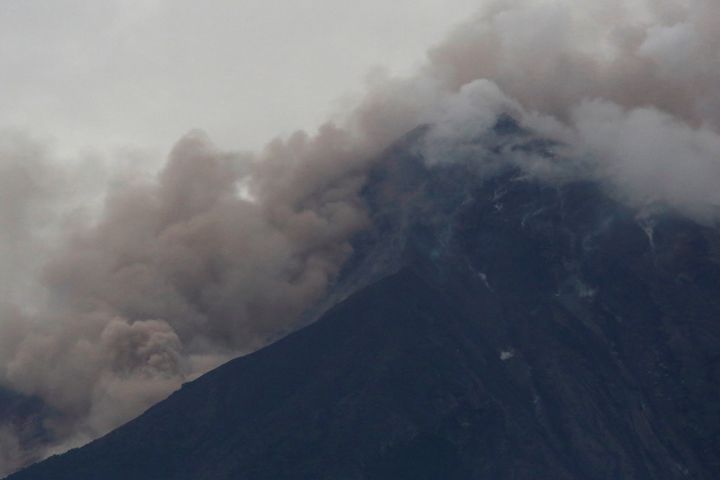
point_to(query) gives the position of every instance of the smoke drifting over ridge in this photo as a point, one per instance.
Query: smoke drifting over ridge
(219, 253)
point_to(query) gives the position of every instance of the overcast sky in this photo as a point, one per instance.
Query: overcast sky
(140, 73)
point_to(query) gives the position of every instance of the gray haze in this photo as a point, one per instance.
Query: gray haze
(113, 73)
(110, 304)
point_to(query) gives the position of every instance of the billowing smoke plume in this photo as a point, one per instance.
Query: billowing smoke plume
(108, 308)
(212, 258)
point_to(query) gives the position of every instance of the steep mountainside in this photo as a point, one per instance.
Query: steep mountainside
(494, 328)
(21, 427)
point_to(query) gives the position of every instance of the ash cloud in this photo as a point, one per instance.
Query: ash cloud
(213, 257)
(628, 88)
(105, 312)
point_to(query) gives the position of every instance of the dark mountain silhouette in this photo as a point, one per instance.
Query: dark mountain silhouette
(22, 420)
(494, 327)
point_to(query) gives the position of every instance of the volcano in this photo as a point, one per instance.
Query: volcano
(489, 326)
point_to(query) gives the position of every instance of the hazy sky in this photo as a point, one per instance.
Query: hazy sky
(143, 72)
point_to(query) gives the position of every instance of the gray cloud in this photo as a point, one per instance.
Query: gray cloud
(143, 72)
(551, 55)
(629, 87)
(212, 257)
(11, 454)
(111, 307)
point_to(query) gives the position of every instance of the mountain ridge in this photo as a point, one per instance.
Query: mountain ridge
(494, 327)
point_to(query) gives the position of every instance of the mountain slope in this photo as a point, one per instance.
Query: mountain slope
(392, 369)
(502, 328)
(21, 428)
